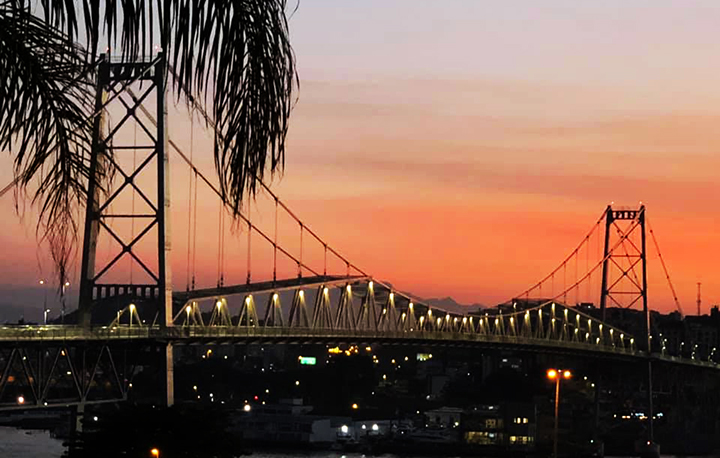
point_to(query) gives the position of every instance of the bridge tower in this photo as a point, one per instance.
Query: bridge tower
(624, 273)
(153, 217)
(622, 285)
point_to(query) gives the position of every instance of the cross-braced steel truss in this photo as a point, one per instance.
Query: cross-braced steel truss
(61, 374)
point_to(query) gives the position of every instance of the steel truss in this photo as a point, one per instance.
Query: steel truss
(51, 374)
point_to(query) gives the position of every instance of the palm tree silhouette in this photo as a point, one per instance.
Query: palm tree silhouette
(231, 56)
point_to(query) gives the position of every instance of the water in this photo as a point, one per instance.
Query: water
(20, 443)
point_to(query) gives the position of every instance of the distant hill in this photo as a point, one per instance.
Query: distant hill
(451, 305)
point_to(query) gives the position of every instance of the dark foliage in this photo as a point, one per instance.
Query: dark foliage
(233, 57)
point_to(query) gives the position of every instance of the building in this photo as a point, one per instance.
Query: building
(506, 425)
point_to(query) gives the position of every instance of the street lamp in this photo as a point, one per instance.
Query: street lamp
(64, 287)
(557, 375)
(155, 453)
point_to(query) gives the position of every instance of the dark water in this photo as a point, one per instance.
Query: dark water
(19, 443)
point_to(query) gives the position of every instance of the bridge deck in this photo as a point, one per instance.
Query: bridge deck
(229, 335)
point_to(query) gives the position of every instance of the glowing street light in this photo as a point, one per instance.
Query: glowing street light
(557, 375)
(155, 453)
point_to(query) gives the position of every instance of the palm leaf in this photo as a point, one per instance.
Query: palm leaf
(234, 57)
(45, 98)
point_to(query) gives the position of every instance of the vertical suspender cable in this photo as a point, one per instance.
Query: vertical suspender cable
(219, 255)
(577, 288)
(301, 252)
(194, 240)
(249, 242)
(132, 212)
(565, 282)
(275, 242)
(325, 262)
(222, 245)
(190, 205)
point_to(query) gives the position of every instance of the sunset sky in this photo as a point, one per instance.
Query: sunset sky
(463, 148)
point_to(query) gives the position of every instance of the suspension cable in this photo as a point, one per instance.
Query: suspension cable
(667, 274)
(561, 266)
(190, 204)
(219, 194)
(265, 187)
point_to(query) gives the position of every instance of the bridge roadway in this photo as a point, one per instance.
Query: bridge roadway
(231, 335)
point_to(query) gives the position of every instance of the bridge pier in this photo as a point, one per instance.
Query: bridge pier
(169, 375)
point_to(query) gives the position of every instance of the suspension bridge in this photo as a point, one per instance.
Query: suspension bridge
(321, 298)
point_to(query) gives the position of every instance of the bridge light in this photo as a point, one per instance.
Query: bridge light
(348, 288)
(410, 305)
(132, 307)
(464, 319)
(370, 285)
(422, 318)
(325, 290)
(429, 312)
(188, 309)
(447, 317)
(301, 293)
(275, 297)
(218, 304)
(392, 296)
(403, 315)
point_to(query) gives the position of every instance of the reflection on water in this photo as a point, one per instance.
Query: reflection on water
(19, 443)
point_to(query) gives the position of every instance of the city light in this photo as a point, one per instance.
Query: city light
(21, 400)
(155, 452)
(247, 408)
(344, 429)
(552, 374)
(355, 406)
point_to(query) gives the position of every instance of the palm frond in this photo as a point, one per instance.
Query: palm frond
(234, 56)
(45, 98)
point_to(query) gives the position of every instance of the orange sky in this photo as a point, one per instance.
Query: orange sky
(463, 150)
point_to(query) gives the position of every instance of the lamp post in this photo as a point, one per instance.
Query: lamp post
(64, 287)
(557, 375)
(155, 453)
(45, 309)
